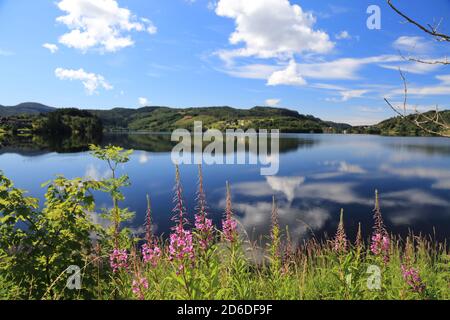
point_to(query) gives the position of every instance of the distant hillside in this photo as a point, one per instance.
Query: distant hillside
(28, 108)
(167, 119)
(397, 126)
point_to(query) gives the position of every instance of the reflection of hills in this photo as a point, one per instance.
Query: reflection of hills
(33, 145)
(163, 143)
(428, 149)
(36, 145)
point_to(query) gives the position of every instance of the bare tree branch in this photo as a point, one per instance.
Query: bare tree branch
(415, 120)
(419, 119)
(430, 29)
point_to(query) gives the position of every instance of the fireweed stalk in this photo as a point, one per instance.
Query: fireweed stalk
(181, 245)
(229, 225)
(140, 283)
(380, 238)
(151, 252)
(340, 240)
(203, 225)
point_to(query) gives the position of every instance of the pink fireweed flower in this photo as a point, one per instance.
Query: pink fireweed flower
(229, 225)
(412, 278)
(151, 253)
(118, 259)
(380, 238)
(139, 286)
(380, 246)
(203, 225)
(340, 240)
(181, 246)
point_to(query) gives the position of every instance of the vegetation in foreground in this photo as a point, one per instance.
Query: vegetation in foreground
(40, 247)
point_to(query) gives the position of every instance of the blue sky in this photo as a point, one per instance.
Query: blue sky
(317, 57)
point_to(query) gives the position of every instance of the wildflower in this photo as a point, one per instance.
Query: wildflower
(412, 278)
(118, 259)
(203, 225)
(151, 253)
(380, 238)
(181, 245)
(229, 225)
(340, 241)
(140, 284)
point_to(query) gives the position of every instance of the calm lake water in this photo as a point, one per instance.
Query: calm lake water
(319, 175)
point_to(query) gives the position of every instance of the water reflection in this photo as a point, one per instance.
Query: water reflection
(319, 175)
(160, 142)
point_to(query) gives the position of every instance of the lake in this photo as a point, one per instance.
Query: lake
(319, 174)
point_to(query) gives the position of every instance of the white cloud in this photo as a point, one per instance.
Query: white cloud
(413, 67)
(296, 74)
(272, 29)
(350, 168)
(440, 175)
(144, 157)
(289, 76)
(91, 81)
(94, 173)
(50, 46)
(343, 35)
(272, 102)
(348, 94)
(285, 185)
(443, 88)
(143, 101)
(405, 43)
(99, 24)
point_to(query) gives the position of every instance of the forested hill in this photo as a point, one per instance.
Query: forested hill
(28, 108)
(159, 119)
(397, 126)
(167, 119)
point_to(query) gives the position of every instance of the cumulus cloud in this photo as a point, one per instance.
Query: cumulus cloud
(289, 76)
(91, 81)
(51, 47)
(99, 24)
(286, 185)
(272, 102)
(143, 101)
(272, 29)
